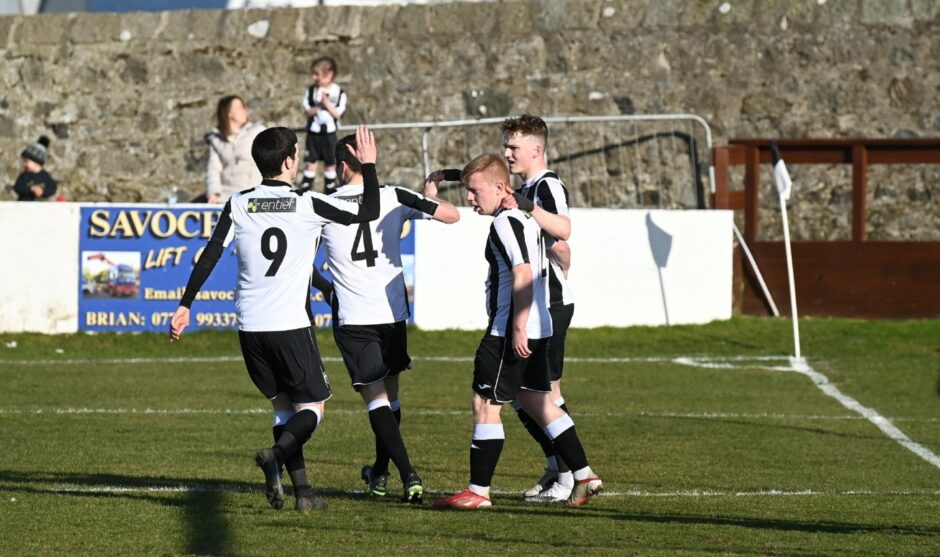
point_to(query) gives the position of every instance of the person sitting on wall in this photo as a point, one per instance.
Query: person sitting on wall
(34, 183)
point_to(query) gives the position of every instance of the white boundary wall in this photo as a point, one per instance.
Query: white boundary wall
(629, 267)
(39, 279)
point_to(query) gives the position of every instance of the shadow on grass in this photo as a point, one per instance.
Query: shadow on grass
(787, 525)
(201, 501)
(207, 531)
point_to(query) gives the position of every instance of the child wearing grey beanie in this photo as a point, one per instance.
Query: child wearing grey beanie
(34, 183)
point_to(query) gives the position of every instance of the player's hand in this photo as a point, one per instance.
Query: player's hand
(178, 323)
(37, 190)
(430, 184)
(517, 201)
(365, 149)
(520, 344)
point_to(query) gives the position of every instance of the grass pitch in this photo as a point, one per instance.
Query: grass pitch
(121, 444)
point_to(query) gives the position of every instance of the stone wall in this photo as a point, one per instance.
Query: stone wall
(127, 98)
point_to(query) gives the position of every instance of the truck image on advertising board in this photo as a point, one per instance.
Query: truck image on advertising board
(121, 280)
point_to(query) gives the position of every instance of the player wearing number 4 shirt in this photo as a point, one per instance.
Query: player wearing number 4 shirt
(370, 309)
(275, 232)
(511, 362)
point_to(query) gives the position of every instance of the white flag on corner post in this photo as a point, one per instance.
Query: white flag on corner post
(782, 179)
(781, 176)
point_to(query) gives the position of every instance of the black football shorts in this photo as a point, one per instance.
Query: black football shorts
(498, 374)
(286, 361)
(372, 352)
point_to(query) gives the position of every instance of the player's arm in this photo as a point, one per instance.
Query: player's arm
(201, 271)
(521, 303)
(556, 226)
(511, 234)
(332, 209)
(560, 253)
(430, 204)
(322, 284)
(551, 211)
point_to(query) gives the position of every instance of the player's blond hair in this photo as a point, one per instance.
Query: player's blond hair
(490, 164)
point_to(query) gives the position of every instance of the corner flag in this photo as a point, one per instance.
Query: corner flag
(781, 176)
(782, 179)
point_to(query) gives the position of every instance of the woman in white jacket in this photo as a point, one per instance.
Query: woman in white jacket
(231, 168)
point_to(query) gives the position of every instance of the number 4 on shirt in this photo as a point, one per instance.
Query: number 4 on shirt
(364, 234)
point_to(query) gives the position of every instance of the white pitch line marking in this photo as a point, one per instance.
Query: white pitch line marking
(431, 412)
(800, 365)
(699, 361)
(685, 493)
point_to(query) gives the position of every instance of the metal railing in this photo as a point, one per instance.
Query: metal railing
(622, 161)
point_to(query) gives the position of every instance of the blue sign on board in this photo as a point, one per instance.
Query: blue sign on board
(135, 260)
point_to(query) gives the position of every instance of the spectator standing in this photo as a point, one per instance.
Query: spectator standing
(231, 168)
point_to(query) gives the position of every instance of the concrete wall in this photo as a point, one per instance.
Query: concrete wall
(127, 98)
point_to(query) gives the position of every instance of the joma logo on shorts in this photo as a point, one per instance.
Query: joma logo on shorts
(272, 205)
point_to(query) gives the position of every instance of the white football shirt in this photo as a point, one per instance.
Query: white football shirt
(365, 258)
(275, 231)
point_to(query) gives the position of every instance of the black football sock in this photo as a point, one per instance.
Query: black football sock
(567, 443)
(295, 465)
(385, 427)
(485, 449)
(535, 431)
(296, 432)
(380, 467)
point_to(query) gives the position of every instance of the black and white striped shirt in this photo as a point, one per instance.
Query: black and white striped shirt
(515, 239)
(323, 121)
(548, 192)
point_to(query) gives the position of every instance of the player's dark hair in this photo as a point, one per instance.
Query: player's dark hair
(344, 156)
(489, 163)
(324, 62)
(221, 114)
(526, 125)
(271, 147)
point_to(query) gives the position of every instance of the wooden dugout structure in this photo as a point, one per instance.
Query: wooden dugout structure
(852, 278)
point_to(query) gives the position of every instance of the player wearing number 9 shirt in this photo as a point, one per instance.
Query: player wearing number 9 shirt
(370, 308)
(276, 231)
